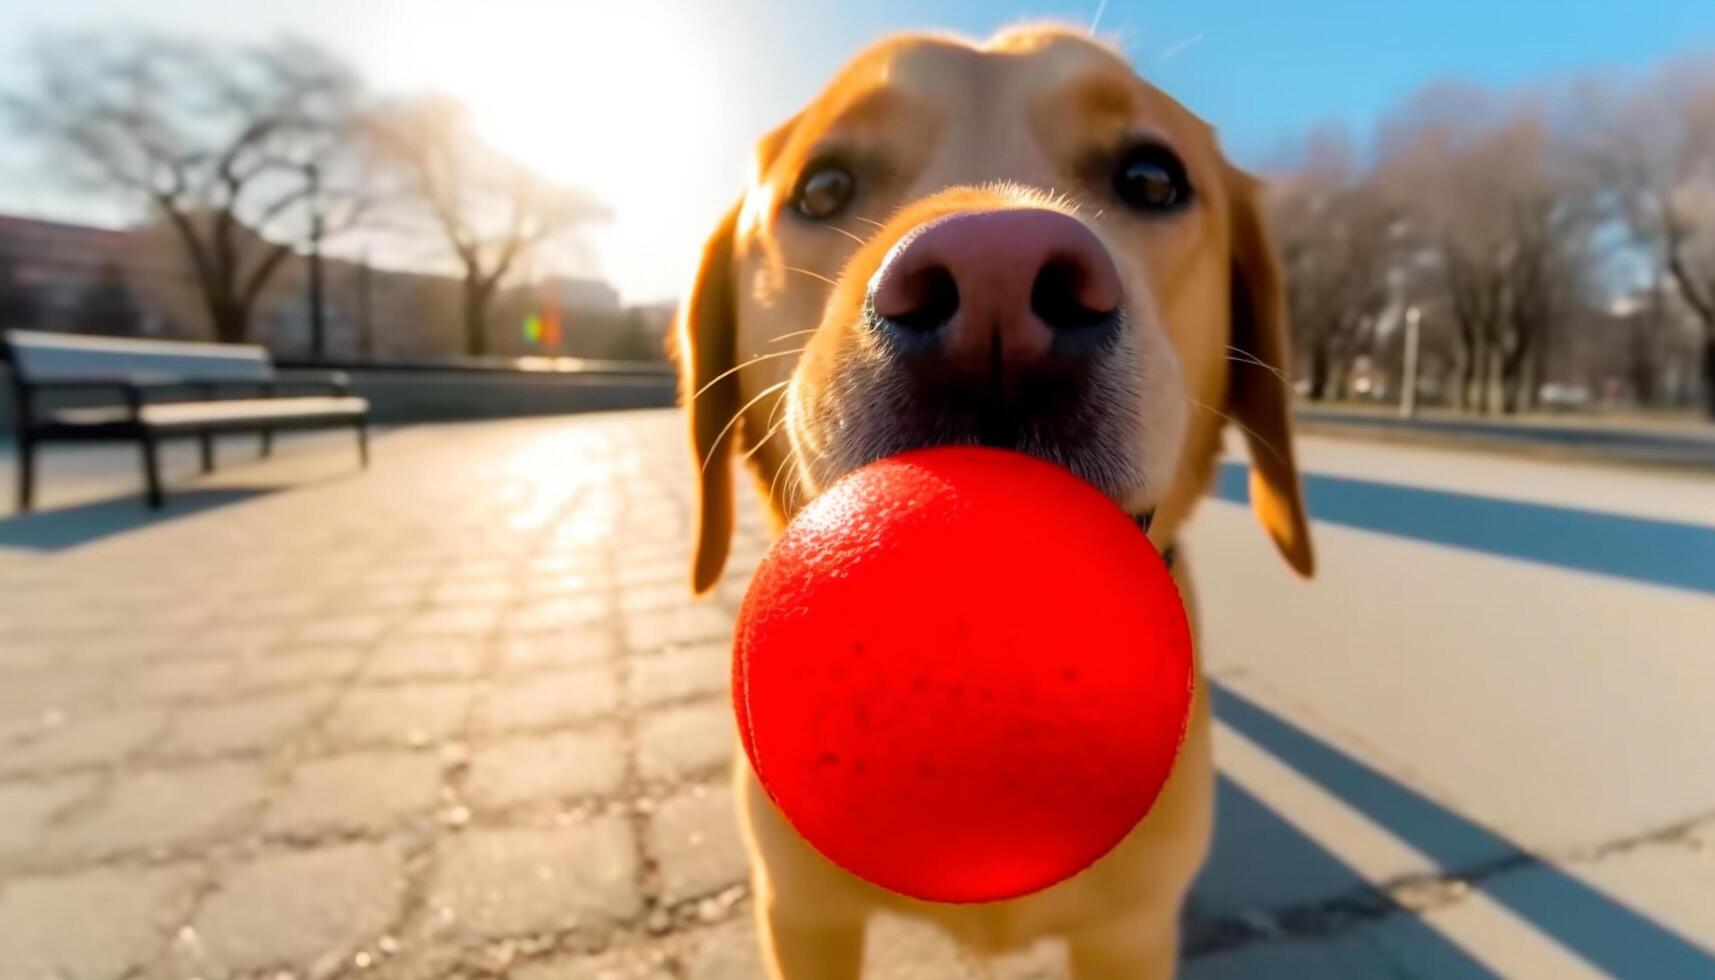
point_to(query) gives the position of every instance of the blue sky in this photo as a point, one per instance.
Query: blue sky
(549, 75)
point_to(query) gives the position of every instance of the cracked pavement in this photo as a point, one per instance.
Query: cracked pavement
(458, 717)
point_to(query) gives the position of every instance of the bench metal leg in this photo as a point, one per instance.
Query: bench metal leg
(267, 448)
(363, 443)
(207, 442)
(152, 472)
(26, 474)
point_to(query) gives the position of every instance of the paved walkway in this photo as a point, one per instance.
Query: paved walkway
(457, 717)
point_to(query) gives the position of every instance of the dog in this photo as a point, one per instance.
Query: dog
(1019, 243)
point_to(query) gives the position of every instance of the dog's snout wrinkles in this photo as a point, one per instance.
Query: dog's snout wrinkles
(1008, 288)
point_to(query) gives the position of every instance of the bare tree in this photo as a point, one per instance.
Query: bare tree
(1335, 232)
(1657, 150)
(1495, 199)
(492, 212)
(223, 145)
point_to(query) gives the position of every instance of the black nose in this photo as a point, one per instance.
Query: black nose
(1006, 291)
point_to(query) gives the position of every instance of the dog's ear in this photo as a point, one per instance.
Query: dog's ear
(1259, 395)
(707, 349)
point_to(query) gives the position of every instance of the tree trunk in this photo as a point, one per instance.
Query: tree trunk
(230, 319)
(1514, 380)
(1319, 371)
(1470, 376)
(1709, 374)
(476, 319)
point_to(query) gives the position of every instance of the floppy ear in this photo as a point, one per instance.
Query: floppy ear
(708, 348)
(1259, 395)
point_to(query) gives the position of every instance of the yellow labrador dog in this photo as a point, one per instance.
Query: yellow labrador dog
(1016, 243)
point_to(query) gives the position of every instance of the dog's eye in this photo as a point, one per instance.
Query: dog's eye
(1151, 178)
(824, 191)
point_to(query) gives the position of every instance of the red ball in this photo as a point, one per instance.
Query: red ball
(962, 674)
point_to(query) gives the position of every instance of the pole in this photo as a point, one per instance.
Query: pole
(318, 323)
(365, 325)
(1408, 383)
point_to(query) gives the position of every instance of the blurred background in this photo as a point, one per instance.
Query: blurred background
(1528, 190)
(455, 714)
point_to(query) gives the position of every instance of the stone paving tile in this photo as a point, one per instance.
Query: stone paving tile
(470, 620)
(415, 714)
(26, 808)
(633, 572)
(675, 674)
(644, 963)
(100, 924)
(480, 591)
(232, 640)
(164, 807)
(563, 766)
(557, 613)
(433, 658)
(564, 582)
(550, 699)
(680, 625)
(560, 649)
(343, 629)
(173, 680)
(359, 791)
(678, 742)
(295, 666)
(123, 647)
(726, 952)
(644, 599)
(246, 725)
(25, 656)
(513, 882)
(694, 838)
(86, 739)
(291, 909)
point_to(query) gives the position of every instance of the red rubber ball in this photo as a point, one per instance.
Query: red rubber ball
(962, 674)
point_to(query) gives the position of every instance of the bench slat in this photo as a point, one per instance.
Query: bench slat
(38, 356)
(238, 413)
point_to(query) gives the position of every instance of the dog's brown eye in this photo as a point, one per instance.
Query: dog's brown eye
(824, 191)
(1151, 178)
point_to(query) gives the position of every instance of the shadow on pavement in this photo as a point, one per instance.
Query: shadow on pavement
(1256, 849)
(1641, 549)
(70, 527)
(1604, 932)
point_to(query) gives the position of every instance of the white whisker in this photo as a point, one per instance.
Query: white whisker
(715, 445)
(1248, 358)
(1243, 427)
(813, 275)
(739, 367)
(795, 333)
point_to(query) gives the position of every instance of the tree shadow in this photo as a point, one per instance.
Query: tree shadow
(1261, 863)
(1252, 840)
(71, 527)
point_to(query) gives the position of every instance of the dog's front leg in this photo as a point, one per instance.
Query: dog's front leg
(801, 948)
(1142, 946)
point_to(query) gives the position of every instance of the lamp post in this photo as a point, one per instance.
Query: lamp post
(318, 322)
(1408, 381)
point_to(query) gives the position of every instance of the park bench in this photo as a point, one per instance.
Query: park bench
(79, 388)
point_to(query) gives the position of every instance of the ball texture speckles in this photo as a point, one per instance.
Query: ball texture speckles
(962, 674)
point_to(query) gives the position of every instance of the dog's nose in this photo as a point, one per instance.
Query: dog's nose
(998, 291)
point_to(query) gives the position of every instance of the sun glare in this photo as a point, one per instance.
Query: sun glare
(618, 99)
